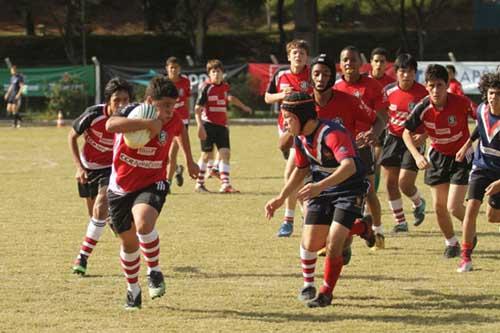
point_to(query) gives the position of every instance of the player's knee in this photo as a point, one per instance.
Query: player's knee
(456, 209)
(440, 208)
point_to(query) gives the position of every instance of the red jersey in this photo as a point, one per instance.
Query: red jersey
(401, 103)
(384, 80)
(348, 109)
(97, 151)
(214, 99)
(455, 87)
(135, 169)
(183, 86)
(447, 127)
(284, 78)
(367, 89)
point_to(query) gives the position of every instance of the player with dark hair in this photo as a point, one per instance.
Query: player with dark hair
(286, 80)
(485, 176)
(13, 95)
(334, 197)
(93, 162)
(445, 120)
(332, 104)
(370, 92)
(138, 188)
(400, 170)
(183, 85)
(211, 118)
(454, 86)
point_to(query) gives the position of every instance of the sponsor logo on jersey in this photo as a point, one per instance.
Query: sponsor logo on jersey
(304, 85)
(357, 93)
(452, 120)
(162, 137)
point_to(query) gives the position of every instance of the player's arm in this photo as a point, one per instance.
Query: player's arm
(20, 92)
(285, 141)
(462, 152)
(81, 173)
(295, 180)
(270, 98)
(493, 188)
(236, 101)
(410, 143)
(183, 140)
(198, 109)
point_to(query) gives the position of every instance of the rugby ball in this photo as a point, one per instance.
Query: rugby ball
(138, 139)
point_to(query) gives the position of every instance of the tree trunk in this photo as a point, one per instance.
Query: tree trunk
(149, 15)
(29, 24)
(402, 26)
(280, 13)
(306, 23)
(199, 35)
(268, 15)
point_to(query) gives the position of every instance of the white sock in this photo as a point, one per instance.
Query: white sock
(451, 241)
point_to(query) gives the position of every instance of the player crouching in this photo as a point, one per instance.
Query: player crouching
(334, 198)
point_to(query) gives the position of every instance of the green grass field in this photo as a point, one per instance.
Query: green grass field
(225, 269)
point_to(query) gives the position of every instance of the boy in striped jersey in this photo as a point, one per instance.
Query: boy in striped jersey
(93, 162)
(445, 120)
(485, 175)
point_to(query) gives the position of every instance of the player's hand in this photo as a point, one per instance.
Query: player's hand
(155, 126)
(360, 140)
(493, 188)
(462, 152)
(309, 191)
(202, 134)
(370, 137)
(287, 91)
(272, 205)
(422, 162)
(5, 97)
(419, 139)
(81, 176)
(193, 169)
(247, 109)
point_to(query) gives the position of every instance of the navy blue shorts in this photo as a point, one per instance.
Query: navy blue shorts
(479, 180)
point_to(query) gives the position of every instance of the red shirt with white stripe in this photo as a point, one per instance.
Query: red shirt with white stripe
(348, 109)
(401, 103)
(284, 78)
(183, 86)
(97, 151)
(447, 127)
(455, 87)
(384, 80)
(368, 90)
(135, 169)
(214, 99)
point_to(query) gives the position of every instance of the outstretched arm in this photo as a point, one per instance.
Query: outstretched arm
(236, 101)
(296, 178)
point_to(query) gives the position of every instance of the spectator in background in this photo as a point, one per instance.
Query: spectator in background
(13, 95)
(454, 86)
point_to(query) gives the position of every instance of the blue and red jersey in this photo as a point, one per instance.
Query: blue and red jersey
(487, 155)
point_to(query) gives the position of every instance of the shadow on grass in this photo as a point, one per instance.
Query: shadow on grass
(311, 316)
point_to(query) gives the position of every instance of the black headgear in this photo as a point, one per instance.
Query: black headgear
(323, 59)
(301, 105)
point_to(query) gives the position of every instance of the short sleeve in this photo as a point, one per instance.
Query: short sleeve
(414, 121)
(203, 96)
(340, 144)
(301, 160)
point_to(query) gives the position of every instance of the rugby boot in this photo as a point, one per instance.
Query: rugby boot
(419, 213)
(307, 293)
(80, 265)
(156, 284)
(321, 301)
(133, 303)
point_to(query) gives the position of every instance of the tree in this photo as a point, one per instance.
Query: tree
(306, 22)
(389, 10)
(280, 14)
(424, 12)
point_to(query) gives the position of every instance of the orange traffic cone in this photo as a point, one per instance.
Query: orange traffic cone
(60, 119)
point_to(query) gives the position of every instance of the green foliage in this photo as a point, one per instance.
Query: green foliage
(68, 96)
(246, 89)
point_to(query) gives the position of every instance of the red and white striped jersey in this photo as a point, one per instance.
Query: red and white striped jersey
(447, 127)
(348, 109)
(284, 78)
(135, 169)
(214, 99)
(401, 103)
(183, 86)
(368, 90)
(97, 151)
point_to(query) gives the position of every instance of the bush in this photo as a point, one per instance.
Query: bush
(246, 89)
(68, 96)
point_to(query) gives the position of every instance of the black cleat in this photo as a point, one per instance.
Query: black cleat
(80, 266)
(321, 301)
(452, 251)
(368, 235)
(133, 303)
(156, 284)
(307, 293)
(179, 179)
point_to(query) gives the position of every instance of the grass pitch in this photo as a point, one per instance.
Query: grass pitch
(225, 269)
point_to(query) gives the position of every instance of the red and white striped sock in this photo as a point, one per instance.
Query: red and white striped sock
(201, 174)
(224, 171)
(416, 199)
(308, 263)
(333, 267)
(289, 215)
(150, 248)
(131, 264)
(397, 210)
(95, 229)
(210, 165)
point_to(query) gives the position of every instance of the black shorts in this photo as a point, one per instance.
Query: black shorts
(120, 206)
(11, 99)
(97, 179)
(368, 159)
(343, 208)
(396, 154)
(381, 137)
(216, 135)
(479, 180)
(444, 169)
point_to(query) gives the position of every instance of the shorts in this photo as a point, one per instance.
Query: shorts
(368, 159)
(11, 99)
(479, 180)
(444, 169)
(381, 138)
(343, 208)
(96, 179)
(120, 206)
(216, 135)
(396, 154)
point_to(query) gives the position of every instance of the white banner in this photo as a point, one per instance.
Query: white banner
(468, 72)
